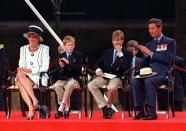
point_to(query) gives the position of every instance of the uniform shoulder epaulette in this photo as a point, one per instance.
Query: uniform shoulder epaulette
(1, 46)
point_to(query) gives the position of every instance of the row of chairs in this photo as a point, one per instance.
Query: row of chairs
(125, 96)
(44, 95)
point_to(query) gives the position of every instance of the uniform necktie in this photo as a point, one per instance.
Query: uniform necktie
(68, 56)
(156, 40)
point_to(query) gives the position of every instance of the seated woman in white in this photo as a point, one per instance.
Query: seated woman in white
(34, 59)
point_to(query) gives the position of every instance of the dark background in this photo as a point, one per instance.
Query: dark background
(92, 29)
(94, 9)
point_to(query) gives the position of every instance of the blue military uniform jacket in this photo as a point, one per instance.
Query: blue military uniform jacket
(163, 53)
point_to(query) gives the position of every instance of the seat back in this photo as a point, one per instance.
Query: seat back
(169, 89)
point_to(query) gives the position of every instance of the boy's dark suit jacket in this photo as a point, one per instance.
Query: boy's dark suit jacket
(121, 64)
(73, 69)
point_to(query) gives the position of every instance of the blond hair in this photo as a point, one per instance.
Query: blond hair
(67, 39)
(118, 33)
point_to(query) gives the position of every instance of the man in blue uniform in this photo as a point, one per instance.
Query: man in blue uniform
(158, 55)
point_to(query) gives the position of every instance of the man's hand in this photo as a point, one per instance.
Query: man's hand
(100, 74)
(118, 48)
(145, 50)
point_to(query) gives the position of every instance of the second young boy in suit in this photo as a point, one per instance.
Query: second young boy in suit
(115, 61)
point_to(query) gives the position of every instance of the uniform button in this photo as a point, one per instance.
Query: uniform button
(31, 63)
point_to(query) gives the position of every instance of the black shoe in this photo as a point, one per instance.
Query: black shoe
(58, 114)
(150, 117)
(151, 113)
(141, 114)
(110, 112)
(104, 109)
(66, 114)
(43, 112)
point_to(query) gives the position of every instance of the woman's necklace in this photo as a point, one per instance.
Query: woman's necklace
(33, 49)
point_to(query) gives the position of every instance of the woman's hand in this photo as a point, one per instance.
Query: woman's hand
(20, 72)
(24, 70)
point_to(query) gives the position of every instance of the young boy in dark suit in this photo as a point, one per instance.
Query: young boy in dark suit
(70, 67)
(115, 61)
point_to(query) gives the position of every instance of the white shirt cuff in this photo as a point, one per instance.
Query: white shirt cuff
(97, 70)
(120, 54)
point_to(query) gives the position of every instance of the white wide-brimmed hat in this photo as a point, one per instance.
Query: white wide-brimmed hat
(33, 29)
(146, 72)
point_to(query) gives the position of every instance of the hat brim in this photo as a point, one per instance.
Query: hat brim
(25, 35)
(145, 76)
